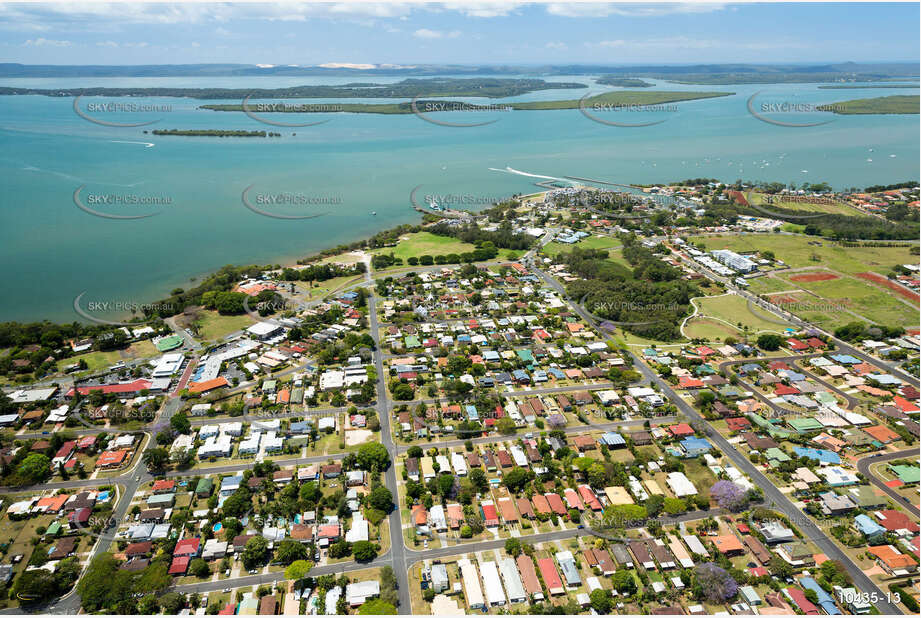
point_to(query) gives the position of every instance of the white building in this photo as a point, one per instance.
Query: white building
(167, 365)
(494, 594)
(680, 485)
(512, 580)
(471, 580)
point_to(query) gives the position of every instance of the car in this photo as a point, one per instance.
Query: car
(137, 478)
(581, 526)
(252, 571)
(227, 573)
(226, 589)
(45, 433)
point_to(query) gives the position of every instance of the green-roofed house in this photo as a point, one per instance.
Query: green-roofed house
(775, 456)
(825, 398)
(54, 529)
(768, 426)
(731, 392)
(413, 342)
(526, 356)
(804, 425)
(907, 474)
(269, 386)
(204, 488)
(169, 343)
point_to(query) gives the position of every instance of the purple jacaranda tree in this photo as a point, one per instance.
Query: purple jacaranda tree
(716, 584)
(729, 496)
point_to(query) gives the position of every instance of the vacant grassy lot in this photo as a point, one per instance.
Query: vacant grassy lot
(212, 325)
(797, 252)
(424, 243)
(319, 289)
(731, 317)
(863, 298)
(759, 199)
(96, 361)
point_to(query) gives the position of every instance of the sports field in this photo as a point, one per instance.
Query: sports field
(759, 199)
(425, 243)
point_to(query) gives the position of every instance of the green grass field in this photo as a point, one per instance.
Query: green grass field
(796, 252)
(592, 242)
(96, 361)
(425, 243)
(212, 325)
(731, 317)
(863, 298)
(759, 199)
(320, 289)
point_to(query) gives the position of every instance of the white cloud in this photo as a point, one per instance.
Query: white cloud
(425, 33)
(585, 9)
(43, 42)
(556, 45)
(483, 9)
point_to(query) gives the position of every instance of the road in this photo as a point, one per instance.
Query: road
(772, 493)
(397, 548)
(863, 466)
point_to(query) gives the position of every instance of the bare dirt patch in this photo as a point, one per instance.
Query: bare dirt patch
(809, 277)
(895, 287)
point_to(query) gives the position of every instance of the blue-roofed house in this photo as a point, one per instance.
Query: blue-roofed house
(825, 599)
(748, 368)
(868, 527)
(845, 359)
(884, 378)
(793, 376)
(299, 427)
(694, 446)
(540, 376)
(472, 413)
(491, 356)
(704, 370)
(612, 438)
(557, 373)
(464, 338)
(521, 376)
(819, 454)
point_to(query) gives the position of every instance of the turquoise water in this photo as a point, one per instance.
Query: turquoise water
(53, 251)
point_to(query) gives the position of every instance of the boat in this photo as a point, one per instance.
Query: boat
(373, 213)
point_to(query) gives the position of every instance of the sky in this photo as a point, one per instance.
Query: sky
(456, 33)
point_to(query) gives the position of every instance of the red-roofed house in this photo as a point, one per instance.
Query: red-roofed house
(179, 565)
(572, 499)
(163, 487)
(112, 459)
(783, 389)
(490, 515)
(556, 503)
(893, 520)
(681, 429)
(738, 423)
(799, 598)
(796, 345)
(187, 547)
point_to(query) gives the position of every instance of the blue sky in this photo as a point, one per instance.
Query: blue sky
(457, 33)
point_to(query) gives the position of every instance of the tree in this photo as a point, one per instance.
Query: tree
(373, 456)
(34, 469)
(156, 459)
(179, 423)
(513, 547)
(172, 602)
(381, 499)
(478, 478)
(506, 426)
(310, 493)
(377, 607)
(729, 496)
(769, 342)
(364, 551)
(290, 550)
(256, 552)
(516, 478)
(623, 582)
(414, 451)
(340, 549)
(199, 568)
(298, 569)
(675, 506)
(716, 584)
(654, 505)
(601, 600)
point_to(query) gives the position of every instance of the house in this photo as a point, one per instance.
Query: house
(868, 528)
(893, 561)
(471, 582)
(551, 576)
(728, 545)
(187, 547)
(529, 577)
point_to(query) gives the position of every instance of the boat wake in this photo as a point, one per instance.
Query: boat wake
(509, 170)
(144, 144)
